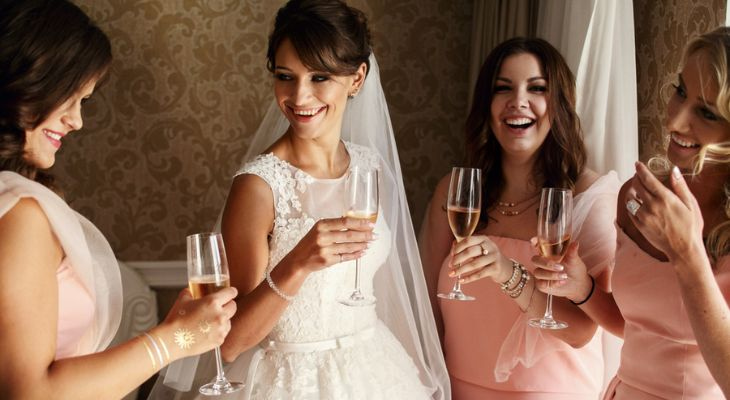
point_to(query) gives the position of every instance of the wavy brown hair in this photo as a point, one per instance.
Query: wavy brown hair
(328, 35)
(561, 157)
(49, 49)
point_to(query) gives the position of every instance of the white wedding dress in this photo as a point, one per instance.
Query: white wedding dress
(321, 349)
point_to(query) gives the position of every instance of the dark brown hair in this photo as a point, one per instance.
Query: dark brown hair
(328, 35)
(561, 157)
(49, 49)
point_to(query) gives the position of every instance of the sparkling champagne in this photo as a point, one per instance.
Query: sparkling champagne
(370, 216)
(554, 251)
(204, 285)
(463, 221)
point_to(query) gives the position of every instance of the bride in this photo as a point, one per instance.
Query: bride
(291, 253)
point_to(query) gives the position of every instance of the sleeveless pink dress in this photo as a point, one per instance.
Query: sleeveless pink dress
(491, 352)
(75, 311)
(660, 358)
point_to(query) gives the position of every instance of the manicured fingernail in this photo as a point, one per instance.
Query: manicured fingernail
(558, 267)
(675, 173)
(563, 276)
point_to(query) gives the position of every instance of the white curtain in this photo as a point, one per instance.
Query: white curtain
(597, 40)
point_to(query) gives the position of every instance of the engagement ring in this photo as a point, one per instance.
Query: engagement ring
(633, 206)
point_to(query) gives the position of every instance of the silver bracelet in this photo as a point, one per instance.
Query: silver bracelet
(276, 290)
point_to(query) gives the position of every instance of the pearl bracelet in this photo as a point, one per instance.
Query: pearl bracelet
(276, 289)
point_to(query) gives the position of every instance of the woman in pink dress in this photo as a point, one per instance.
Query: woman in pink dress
(671, 281)
(523, 132)
(60, 288)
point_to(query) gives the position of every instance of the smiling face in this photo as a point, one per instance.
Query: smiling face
(42, 142)
(519, 115)
(692, 119)
(312, 101)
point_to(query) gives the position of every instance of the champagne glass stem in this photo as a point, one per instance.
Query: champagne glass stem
(357, 276)
(219, 365)
(549, 308)
(457, 284)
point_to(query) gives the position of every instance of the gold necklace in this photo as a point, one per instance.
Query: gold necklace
(514, 213)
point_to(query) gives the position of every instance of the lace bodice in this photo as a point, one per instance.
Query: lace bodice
(299, 201)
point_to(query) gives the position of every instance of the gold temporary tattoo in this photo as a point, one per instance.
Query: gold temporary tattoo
(149, 353)
(204, 326)
(184, 338)
(164, 347)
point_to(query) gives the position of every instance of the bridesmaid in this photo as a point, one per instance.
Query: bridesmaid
(523, 132)
(60, 289)
(672, 278)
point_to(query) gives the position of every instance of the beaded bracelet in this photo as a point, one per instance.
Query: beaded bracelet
(593, 286)
(517, 290)
(512, 279)
(276, 289)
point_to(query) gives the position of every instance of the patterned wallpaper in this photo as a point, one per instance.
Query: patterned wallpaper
(189, 87)
(662, 29)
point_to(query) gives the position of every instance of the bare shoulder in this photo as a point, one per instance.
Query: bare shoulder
(26, 217)
(25, 231)
(585, 180)
(250, 197)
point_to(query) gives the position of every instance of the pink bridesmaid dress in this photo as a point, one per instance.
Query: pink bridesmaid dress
(75, 312)
(491, 352)
(660, 358)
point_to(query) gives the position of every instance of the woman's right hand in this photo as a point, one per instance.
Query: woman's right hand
(569, 278)
(195, 326)
(331, 241)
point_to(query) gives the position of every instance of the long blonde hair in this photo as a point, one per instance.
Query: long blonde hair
(716, 48)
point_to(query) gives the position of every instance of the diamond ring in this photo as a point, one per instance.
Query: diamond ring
(633, 206)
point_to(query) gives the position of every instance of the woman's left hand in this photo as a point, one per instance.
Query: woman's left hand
(670, 219)
(477, 257)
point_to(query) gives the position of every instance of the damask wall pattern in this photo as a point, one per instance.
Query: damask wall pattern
(662, 29)
(189, 87)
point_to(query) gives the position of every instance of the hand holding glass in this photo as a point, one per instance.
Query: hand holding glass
(361, 201)
(208, 273)
(554, 228)
(463, 207)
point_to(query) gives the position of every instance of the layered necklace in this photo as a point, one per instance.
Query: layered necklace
(513, 209)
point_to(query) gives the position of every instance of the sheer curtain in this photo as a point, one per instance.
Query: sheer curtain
(597, 40)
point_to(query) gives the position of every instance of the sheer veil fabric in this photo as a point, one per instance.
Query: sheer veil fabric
(88, 252)
(402, 298)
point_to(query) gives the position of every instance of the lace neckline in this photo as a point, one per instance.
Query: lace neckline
(307, 175)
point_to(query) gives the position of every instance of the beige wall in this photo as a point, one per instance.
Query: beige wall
(189, 87)
(662, 29)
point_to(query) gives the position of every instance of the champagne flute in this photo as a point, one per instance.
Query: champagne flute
(208, 273)
(554, 228)
(463, 208)
(361, 201)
